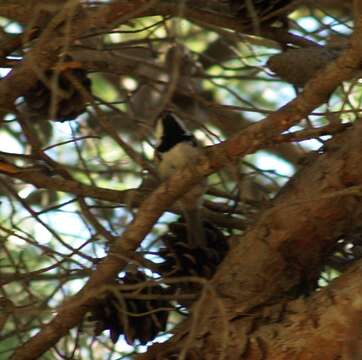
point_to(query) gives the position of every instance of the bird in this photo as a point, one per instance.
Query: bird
(176, 149)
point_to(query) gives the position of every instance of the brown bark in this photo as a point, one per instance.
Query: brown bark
(323, 326)
(319, 327)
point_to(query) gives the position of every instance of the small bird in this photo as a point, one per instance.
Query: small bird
(176, 149)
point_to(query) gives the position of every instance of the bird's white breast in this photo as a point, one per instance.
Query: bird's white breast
(180, 156)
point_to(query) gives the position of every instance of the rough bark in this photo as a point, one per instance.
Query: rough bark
(326, 326)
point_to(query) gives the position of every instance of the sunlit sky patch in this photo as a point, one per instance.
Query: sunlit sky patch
(266, 161)
(309, 23)
(9, 143)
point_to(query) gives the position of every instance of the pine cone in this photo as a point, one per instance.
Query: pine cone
(136, 319)
(181, 260)
(297, 66)
(69, 103)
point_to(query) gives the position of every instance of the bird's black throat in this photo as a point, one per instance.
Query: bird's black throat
(173, 134)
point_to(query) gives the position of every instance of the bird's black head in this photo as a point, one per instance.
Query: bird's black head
(171, 131)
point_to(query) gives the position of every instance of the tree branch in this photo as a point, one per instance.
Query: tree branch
(323, 326)
(50, 43)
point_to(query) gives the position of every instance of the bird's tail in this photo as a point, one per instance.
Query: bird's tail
(195, 228)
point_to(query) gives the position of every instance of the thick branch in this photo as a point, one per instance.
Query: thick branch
(325, 326)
